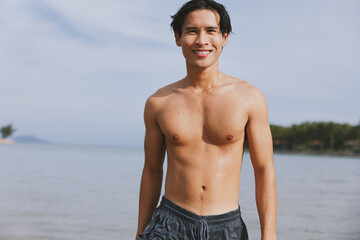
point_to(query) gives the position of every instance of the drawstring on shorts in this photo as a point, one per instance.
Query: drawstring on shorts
(196, 226)
(202, 230)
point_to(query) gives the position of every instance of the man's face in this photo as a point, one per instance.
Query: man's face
(201, 39)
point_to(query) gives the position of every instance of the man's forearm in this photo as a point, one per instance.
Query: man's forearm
(266, 200)
(150, 190)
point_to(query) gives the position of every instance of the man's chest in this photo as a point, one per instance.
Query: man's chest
(216, 120)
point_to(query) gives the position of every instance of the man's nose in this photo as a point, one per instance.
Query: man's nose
(202, 39)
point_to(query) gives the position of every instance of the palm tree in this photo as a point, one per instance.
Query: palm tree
(7, 131)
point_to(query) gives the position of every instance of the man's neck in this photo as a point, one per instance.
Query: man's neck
(203, 78)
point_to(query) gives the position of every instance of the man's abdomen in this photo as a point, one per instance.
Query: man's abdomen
(205, 182)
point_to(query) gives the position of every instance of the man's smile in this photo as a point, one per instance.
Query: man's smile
(202, 53)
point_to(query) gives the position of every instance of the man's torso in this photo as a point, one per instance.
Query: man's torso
(204, 136)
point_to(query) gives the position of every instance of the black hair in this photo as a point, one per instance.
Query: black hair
(179, 17)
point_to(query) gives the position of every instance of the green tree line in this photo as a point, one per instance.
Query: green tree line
(317, 136)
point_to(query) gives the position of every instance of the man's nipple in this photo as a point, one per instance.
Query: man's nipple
(176, 137)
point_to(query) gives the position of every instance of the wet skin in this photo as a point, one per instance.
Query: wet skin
(203, 127)
(204, 137)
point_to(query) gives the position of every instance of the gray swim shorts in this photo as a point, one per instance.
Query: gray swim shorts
(171, 221)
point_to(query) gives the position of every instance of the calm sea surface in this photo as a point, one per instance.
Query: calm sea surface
(72, 193)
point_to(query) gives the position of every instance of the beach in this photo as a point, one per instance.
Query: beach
(75, 192)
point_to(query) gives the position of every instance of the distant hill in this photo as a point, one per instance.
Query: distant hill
(30, 139)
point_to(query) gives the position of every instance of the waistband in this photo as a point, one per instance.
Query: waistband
(212, 220)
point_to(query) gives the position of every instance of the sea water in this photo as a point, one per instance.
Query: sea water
(55, 192)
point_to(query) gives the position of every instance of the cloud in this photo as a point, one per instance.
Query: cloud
(110, 19)
(85, 68)
(304, 53)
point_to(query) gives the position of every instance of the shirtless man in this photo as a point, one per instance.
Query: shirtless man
(202, 122)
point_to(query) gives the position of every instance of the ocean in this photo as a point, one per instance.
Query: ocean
(52, 192)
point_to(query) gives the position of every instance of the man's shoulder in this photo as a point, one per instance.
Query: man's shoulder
(250, 97)
(246, 93)
(160, 96)
(243, 87)
(167, 90)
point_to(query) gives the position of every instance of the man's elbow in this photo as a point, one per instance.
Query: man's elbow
(266, 170)
(152, 171)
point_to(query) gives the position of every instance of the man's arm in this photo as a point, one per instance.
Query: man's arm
(151, 179)
(261, 152)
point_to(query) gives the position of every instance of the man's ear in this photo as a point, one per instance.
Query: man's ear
(177, 39)
(225, 37)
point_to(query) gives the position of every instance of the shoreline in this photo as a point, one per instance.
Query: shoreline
(6, 141)
(314, 153)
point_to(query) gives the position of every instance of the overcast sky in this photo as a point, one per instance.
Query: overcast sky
(79, 72)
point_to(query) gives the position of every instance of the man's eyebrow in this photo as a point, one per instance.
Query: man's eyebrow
(194, 28)
(191, 28)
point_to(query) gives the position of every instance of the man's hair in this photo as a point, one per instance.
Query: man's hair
(179, 17)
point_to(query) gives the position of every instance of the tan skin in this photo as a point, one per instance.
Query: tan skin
(201, 122)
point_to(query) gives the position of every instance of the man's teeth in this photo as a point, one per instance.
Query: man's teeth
(202, 52)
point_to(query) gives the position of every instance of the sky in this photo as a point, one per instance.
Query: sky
(79, 72)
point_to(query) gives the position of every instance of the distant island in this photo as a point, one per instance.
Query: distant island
(327, 138)
(30, 139)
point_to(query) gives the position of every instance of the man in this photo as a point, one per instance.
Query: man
(202, 122)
